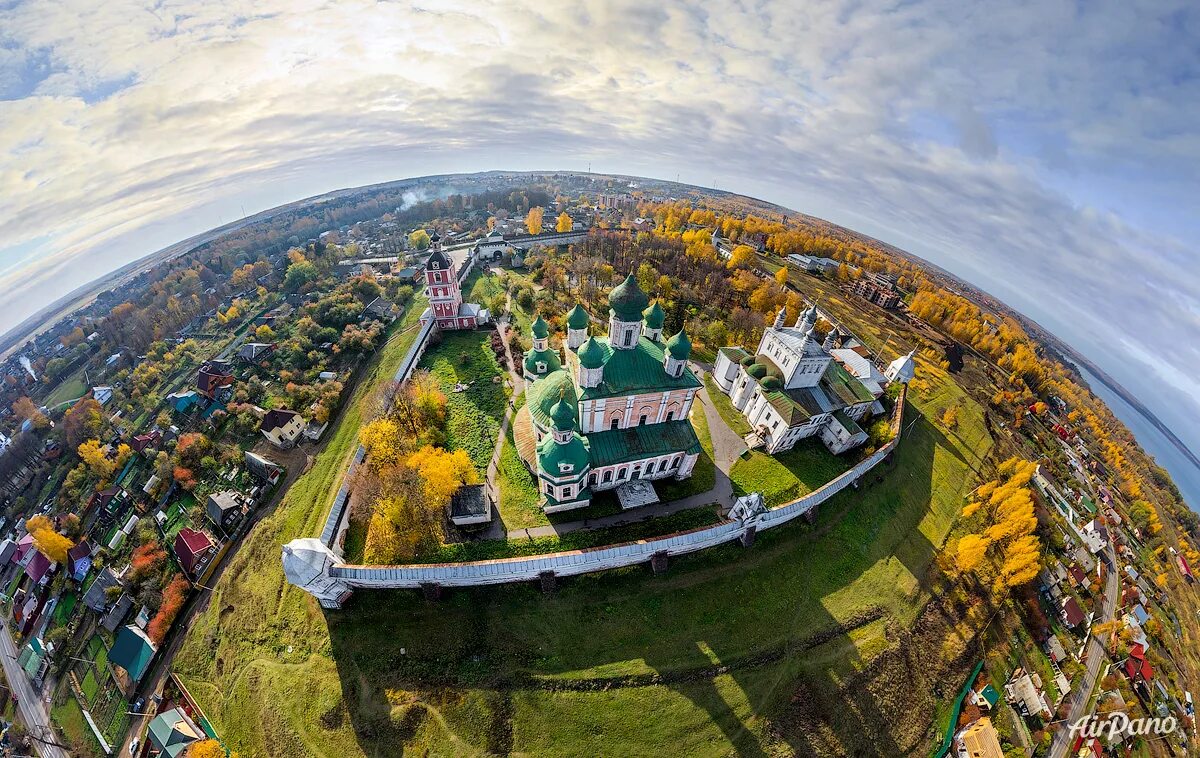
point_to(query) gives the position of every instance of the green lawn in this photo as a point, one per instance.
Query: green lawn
(506, 669)
(788, 475)
(704, 474)
(737, 422)
(473, 416)
(71, 387)
(69, 718)
(518, 506)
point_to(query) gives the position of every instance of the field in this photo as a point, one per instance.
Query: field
(784, 477)
(473, 416)
(753, 651)
(518, 504)
(71, 387)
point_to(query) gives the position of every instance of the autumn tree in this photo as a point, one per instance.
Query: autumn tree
(206, 749)
(533, 220)
(172, 601)
(1004, 552)
(564, 223)
(26, 410)
(742, 256)
(419, 240)
(781, 277)
(47, 541)
(264, 333)
(97, 460)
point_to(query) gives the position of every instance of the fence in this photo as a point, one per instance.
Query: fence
(332, 582)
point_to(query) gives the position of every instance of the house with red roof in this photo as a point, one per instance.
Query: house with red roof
(1072, 614)
(21, 557)
(40, 568)
(194, 549)
(1137, 668)
(212, 377)
(145, 441)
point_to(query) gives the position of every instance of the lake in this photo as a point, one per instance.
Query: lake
(1183, 472)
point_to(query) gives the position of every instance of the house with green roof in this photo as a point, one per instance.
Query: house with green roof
(172, 732)
(132, 651)
(611, 409)
(791, 388)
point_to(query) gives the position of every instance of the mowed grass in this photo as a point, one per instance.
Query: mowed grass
(518, 506)
(732, 416)
(785, 476)
(495, 670)
(71, 387)
(473, 416)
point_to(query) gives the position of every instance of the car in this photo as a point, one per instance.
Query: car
(133, 746)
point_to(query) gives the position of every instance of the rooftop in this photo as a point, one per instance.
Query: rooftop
(637, 369)
(645, 441)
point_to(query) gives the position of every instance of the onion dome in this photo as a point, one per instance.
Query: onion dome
(772, 383)
(577, 318)
(592, 354)
(679, 346)
(654, 316)
(548, 358)
(540, 328)
(563, 459)
(627, 300)
(562, 413)
(747, 360)
(758, 371)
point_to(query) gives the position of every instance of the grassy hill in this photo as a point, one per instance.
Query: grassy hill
(731, 650)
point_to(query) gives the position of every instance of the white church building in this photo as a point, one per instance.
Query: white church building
(793, 386)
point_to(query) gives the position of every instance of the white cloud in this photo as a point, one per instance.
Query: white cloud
(138, 127)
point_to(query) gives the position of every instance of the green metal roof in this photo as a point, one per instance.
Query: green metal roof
(172, 732)
(562, 413)
(578, 318)
(990, 694)
(734, 354)
(550, 454)
(654, 316)
(132, 651)
(542, 394)
(848, 423)
(680, 346)
(637, 369)
(593, 353)
(844, 386)
(549, 357)
(627, 300)
(540, 328)
(639, 442)
(787, 403)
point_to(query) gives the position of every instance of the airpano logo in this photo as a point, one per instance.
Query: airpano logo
(1119, 724)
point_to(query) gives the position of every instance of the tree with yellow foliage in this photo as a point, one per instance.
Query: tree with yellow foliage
(564, 223)
(97, 460)
(781, 277)
(47, 541)
(1004, 552)
(207, 749)
(533, 219)
(742, 256)
(264, 333)
(382, 440)
(950, 417)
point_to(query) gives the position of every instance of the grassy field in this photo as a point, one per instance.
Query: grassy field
(704, 474)
(473, 416)
(788, 475)
(71, 387)
(737, 422)
(721, 649)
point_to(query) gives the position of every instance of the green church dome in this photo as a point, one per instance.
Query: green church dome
(563, 413)
(574, 453)
(592, 354)
(758, 371)
(679, 346)
(627, 300)
(578, 318)
(540, 328)
(654, 316)
(548, 357)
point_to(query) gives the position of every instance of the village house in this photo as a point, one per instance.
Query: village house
(282, 427)
(226, 509)
(194, 549)
(213, 379)
(979, 740)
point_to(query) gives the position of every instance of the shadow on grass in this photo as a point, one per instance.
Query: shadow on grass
(762, 641)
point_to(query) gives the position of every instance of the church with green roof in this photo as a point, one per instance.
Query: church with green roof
(611, 410)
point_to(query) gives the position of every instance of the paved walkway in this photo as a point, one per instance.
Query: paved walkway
(495, 529)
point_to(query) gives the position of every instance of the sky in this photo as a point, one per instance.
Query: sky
(1047, 151)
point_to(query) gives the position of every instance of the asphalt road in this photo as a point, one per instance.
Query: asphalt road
(1096, 657)
(33, 710)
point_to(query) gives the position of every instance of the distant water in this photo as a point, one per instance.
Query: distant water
(1184, 473)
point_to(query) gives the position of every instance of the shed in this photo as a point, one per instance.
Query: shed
(133, 650)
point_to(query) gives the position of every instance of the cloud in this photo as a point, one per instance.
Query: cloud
(1004, 143)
